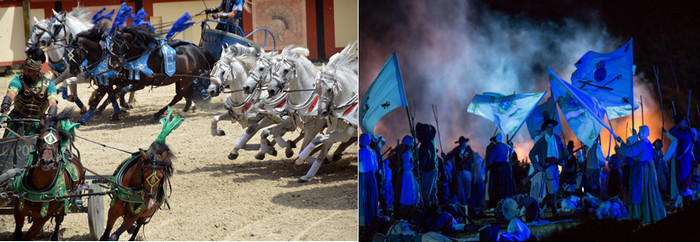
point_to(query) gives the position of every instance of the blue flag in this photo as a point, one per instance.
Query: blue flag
(608, 78)
(508, 112)
(583, 112)
(385, 94)
(542, 112)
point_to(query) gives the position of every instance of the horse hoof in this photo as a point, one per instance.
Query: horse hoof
(113, 238)
(232, 156)
(299, 161)
(83, 111)
(82, 123)
(131, 229)
(272, 152)
(289, 153)
(291, 144)
(18, 236)
(326, 161)
(337, 157)
(115, 118)
(304, 179)
(221, 132)
(260, 156)
(98, 113)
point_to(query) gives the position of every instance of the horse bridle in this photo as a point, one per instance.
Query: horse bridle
(285, 62)
(51, 138)
(266, 68)
(152, 180)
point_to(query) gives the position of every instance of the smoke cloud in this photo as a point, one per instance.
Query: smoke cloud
(451, 50)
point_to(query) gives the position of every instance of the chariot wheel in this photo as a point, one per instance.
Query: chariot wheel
(97, 214)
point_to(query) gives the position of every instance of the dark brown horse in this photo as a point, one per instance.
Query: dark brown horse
(146, 175)
(91, 46)
(43, 175)
(191, 63)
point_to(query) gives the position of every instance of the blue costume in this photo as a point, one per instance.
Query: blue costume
(684, 157)
(228, 6)
(643, 192)
(662, 171)
(410, 191)
(501, 184)
(368, 183)
(463, 159)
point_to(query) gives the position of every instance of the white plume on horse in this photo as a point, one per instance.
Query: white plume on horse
(449, 52)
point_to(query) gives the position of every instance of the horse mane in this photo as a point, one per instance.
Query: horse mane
(81, 16)
(346, 60)
(239, 53)
(158, 147)
(143, 38)
(95, 34)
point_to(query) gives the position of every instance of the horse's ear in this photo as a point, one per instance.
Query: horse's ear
(143, 154)
(36, 21)
(164, 155)
(55, 14)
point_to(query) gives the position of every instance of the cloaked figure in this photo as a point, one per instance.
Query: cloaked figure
(662, 171)
(643, 192)
(368, 183)
(410, 191)
(684, 157)
(614, 177)
(500, 182)
(427, 155)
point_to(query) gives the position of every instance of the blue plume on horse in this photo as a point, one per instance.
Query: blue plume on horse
(180, 25)
(101, 17)
(98, 14)
(139, 19)
(125, 12)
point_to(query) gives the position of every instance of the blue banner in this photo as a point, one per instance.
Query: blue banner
(542, 112)
(384, 94)
(508, 112)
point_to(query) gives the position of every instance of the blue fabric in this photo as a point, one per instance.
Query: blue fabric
(608, 78)
(137, 66)
(86, 117)
(57, 67)
(410, 191)
(180, 25)
(387, 191)
(542, 112)
(125, 12)
(684, 159)
(139, 19)
(368, 198)
(365, 139)
(477, 194)
(101, 72)
(499, 153)
(384, 94)
(508, 112)
(169, 57)
(501, 183)
(428, 187)
(582, 112)
(367, 160)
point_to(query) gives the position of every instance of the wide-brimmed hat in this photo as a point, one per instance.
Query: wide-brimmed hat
(462, 138)
(425, 132)
(547, 122)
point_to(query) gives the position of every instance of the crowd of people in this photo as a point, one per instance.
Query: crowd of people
(416, 182)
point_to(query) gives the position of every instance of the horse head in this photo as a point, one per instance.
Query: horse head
(260, 73)
(336, 85)
(220, 72)
(156, 170)
(293, 66)
(38, 32)
(51, 136)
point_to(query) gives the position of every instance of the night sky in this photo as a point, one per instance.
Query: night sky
(450, 50)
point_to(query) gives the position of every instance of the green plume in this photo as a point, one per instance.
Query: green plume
(70, 128)
(169, 125)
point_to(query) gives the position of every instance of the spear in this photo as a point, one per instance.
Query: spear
(641, 103)
(674, 107)
(438, 125)
(661, 100)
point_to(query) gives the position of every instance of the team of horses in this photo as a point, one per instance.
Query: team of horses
(271, 92)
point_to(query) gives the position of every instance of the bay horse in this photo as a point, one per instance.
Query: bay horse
(53, 171)
(145, 174)
(191, 63)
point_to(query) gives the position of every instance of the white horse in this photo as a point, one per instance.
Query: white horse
(230, 68)
(54, 37)
(337, 87)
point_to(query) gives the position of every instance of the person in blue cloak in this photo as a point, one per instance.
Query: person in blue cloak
(383, 175)
(662, 170)
(230, 13)
(428, 163)
(501, 183)
(643, 192)
(684, 157)
(368, 183)
(409, 195)
(463, 157)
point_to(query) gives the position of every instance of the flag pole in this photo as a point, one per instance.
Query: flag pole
(438, 126)
(610, 137)
(641, 103)
(661, 100)
(632, 83)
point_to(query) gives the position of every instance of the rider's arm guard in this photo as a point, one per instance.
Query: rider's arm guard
(6, 103)
(53, 110)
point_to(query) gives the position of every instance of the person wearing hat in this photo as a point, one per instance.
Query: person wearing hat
(427, 155)
(661, 168)
(367, 182)
(500, 182)
(31, 92)
(644, 197)
(684, 157)
(595, 160)
(545, 156)
(410, 191)
(463, 157)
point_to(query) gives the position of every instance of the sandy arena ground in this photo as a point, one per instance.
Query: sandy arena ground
(215, 198)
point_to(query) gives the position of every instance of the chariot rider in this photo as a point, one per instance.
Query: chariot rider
(231, 14)
(545, 155)
(31, 93)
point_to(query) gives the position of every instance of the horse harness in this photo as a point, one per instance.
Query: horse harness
(136, 195)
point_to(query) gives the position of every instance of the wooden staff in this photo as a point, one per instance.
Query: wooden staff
(438, 126)
(641, 103)
(674, 108)
(661, 100)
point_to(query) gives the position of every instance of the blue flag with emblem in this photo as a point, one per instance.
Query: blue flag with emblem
(608, 78)
(384, 94)
(582, 112)
(542, 112)
(180, 25)
(508, 112)
(125, 12)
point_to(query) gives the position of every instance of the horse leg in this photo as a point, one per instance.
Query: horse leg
(242, 142)
(129, 220)
(328, 140)
(215, 131)
(160, 112)
(19, 218)
(136, 230)
(115, 212)
(338, 154)
(115, 106)
(292, 144)
(59, 219)
(311, 129)
(73, 85)
(38, 221)
(132, 98)
(265, 145)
